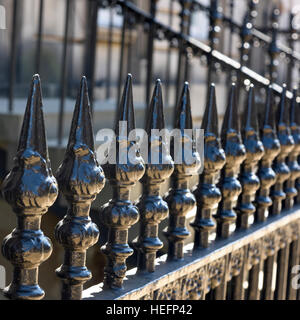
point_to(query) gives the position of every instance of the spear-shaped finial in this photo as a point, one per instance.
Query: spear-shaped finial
(290, 190)
(287, 145)
(183, 114)
(33, 134)
(254, 152)
(235, 154)
(272, 148)
(120, 214)
(180, 199)
(153, 209)
(210, 118)
(30, 189)
(80, 179)
(125, 112)
(207, 194)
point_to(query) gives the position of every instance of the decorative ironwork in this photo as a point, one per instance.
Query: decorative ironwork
(153, 209)
(207, 194)
(215, 273)
(235, 154)
(180, 199)
(193, 286)
(172, 291)
(236, 263)
(254, 152)
(215, 15)
(273, 47)
(80, 179)
(287, 145)
(30, 188)
(120, 214)
(246, 31)
(266, 174)
(254, 253)
(291, 191)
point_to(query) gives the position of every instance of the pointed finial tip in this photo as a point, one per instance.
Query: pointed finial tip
(186, 86)
(129, 79)
(36, 77)
(158, 84)
(83, 80)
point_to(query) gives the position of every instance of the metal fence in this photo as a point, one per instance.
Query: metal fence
(246, 226)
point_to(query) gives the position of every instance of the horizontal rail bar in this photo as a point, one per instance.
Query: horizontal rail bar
(139, 285)
(257, 34)
(201, 48)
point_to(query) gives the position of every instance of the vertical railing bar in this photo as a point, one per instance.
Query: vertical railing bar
(91, 47)
(253, 291)
(291, 43)
(215, 20)
(153, 8)
(13, 56)
(221, 291)
(267, 293)
(63, 84)
(187, 57)
(182, 56)
(238, 281)
(273, 49)
(109, 53)
(39, 40)
(129, 49)
(121, 61)
(282, 272)
(168, 67)
(231, 31)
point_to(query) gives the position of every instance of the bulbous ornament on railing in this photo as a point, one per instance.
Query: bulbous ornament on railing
(235, 155)
(80, 179)
(292, 162)
(153, 209)
(266, 174)
(254, 152)
(287, 145)
(180, 199)
(120, 214)
(207, 194)
(30, 188)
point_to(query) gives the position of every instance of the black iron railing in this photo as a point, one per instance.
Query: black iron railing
(244, 208)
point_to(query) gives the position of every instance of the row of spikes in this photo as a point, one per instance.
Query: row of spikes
(33, 129)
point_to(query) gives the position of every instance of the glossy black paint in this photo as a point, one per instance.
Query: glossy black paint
(30, 188)
(120, 213)
(80, 179)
